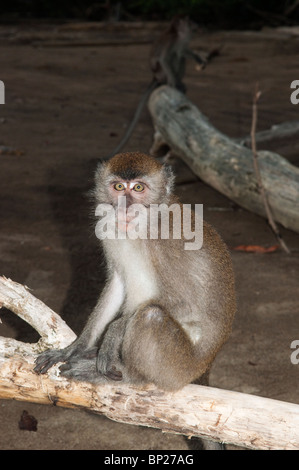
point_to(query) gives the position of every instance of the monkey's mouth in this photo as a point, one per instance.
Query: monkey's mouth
(122, 226)
(126, 222)
(123, 222)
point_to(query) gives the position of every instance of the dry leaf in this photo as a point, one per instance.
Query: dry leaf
(27, 422)
(256, 248)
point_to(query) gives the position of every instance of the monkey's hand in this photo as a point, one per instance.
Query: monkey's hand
(83, 368)
(50, 357)
(69, 356)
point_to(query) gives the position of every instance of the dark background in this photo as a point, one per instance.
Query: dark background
(210, 13)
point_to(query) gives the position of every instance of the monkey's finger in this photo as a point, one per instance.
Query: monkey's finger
(40, 362)
(46, 355)
(46, 360)
(44, 366)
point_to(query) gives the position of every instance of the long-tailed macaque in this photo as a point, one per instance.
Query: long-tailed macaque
(167, 62)
(165, 310)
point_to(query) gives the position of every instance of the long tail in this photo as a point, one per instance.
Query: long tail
(136, 116)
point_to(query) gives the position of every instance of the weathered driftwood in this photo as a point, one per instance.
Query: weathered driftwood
(232, 417)
(223, 163)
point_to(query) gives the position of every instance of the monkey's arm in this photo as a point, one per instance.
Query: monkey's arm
(106, 309)
(195, 56)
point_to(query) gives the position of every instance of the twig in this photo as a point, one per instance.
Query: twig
(272, 18)
(262, 191)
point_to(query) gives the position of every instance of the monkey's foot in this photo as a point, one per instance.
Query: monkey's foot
(84, 369)
(81, 369)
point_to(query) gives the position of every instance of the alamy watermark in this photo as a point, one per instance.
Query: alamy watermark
(2, 92)
(295, 95)
(295, 354)
(156, 221)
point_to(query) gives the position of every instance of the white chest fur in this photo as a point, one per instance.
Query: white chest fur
(132, 262)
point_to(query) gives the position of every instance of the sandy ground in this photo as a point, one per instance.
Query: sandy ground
(70, 92)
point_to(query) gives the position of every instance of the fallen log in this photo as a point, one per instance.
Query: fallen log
(223, 163)
(220, 415)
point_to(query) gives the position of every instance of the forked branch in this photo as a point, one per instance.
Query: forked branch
(220, 415)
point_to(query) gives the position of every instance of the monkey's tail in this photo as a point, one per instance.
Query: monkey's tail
(135, 118)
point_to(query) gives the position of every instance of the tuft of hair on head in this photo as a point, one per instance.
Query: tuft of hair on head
(132, 165)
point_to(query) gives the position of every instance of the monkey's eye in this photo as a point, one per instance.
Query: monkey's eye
(119, 187)
(138, 187)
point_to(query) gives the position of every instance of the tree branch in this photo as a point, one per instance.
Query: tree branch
(53, 330)
(220, 415)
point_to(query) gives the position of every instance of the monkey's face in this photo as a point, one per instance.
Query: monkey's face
(137, 177)
(133, 198)
(129, 180)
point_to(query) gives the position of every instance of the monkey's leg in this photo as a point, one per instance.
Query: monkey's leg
(156, 349)
(83, 368)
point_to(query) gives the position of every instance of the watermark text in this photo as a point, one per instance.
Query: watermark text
(2, 92)
(295, 354)
(295, 95)
(156, 221)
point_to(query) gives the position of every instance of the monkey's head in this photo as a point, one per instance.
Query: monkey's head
(183, 27)
(138, 177)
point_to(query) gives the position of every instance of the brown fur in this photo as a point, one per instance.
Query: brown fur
(133, 160)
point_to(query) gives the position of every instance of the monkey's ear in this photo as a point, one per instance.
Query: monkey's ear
(169, 177)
